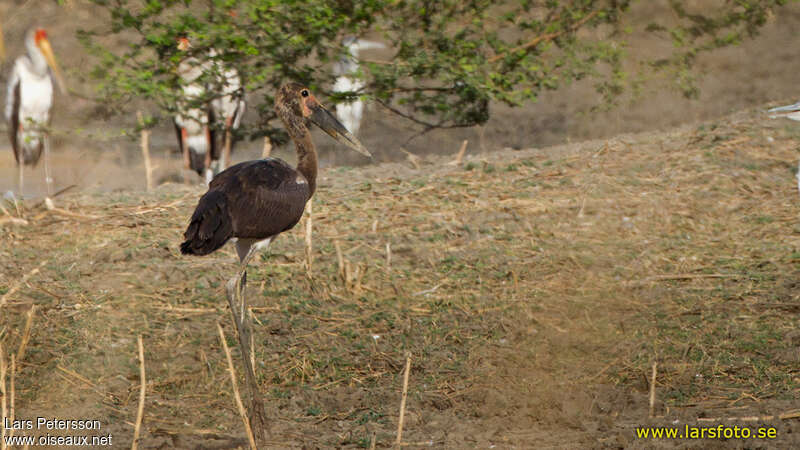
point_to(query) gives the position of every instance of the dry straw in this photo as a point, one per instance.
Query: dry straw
(267, 150)
(148, 167)
(239, 405)
(400, 420)
(460, 154)
(3, 394)
(142, 390)
(653, 389)
(26, 334)
(19, 283)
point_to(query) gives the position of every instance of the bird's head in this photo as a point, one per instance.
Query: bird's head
(184, 44)
(39, 38)
(296, 101)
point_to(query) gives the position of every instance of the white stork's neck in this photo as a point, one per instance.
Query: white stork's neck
(38, 63)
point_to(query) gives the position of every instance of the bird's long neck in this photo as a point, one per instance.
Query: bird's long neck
(306, 154)
(39, 64)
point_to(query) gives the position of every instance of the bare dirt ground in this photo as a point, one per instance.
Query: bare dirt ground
(533, 288)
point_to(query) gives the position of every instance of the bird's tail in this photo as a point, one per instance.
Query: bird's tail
(210, 227)
(197, 161)
(30, 146)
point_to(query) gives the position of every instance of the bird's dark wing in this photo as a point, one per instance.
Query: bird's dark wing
(265, 197)
(14, 122)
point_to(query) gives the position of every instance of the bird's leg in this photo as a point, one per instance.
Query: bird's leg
(21, 173)
(186, 159)
(47, 178)
(238, 305)
(226, 152)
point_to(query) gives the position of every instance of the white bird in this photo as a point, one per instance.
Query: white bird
(195, 136)
(28, 102)
(790, 112)
(198, 119)
(229, 106)
(346, 68)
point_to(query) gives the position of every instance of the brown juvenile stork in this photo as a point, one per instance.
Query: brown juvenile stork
(255, 201)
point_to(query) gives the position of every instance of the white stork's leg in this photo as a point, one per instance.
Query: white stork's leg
(21, 180)
(47, 178)
(226, 150)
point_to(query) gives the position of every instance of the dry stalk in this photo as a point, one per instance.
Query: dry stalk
(237, 397)
(12, 409)
(142, 390)
(388, 257)
(400, 420)
(340, 260)
(148, 168)
(26, 334)
(793, 414)
(348, 276)
(267, 147)
(226, 150)
(653, 389)
(373, 441)
(22, 281)
(12, 220)
(460, 155)
(3, 405)
(412, 158)
(71, 214)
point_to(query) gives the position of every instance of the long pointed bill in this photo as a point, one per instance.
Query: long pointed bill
(786, 109)
(47, 51)
(331, 125)
(2, 47)
(369, 45)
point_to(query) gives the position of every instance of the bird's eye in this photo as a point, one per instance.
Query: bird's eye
(304, 92)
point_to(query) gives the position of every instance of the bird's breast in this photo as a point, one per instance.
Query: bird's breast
(36, 99)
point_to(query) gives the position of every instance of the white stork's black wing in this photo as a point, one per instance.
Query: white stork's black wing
(12, 114)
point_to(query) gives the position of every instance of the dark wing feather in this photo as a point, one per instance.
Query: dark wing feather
(14, 126)
(264, 197)
(253, 199)
(210, 226)
(179, 134)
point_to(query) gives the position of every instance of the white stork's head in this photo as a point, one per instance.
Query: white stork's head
(184, 44)
(36, 41)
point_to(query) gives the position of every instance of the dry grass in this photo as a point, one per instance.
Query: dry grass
(535, 289)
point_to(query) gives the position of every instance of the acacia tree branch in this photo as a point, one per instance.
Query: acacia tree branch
(544, 38)
(428, 125)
